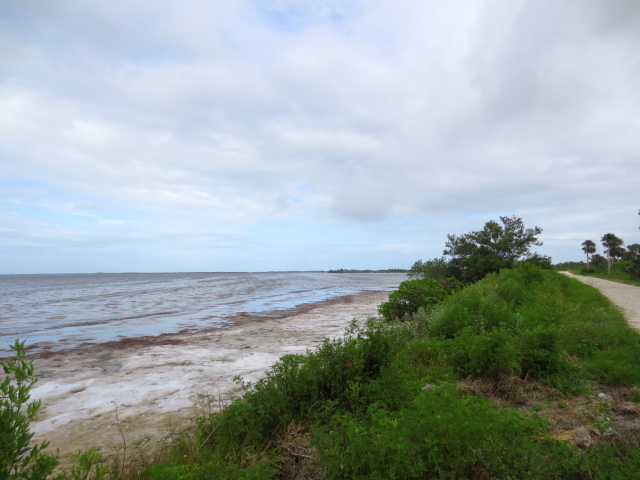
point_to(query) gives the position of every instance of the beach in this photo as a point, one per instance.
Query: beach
(158, 385)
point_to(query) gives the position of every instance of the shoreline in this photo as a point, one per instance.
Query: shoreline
(43, 350)
(161, 384)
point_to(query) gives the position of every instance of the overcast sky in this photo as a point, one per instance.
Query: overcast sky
(251, 135)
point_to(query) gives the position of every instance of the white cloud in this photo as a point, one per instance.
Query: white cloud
(186, 117)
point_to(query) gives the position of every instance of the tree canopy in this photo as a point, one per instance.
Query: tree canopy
(496, 246)
(588, 247)
(612, 245)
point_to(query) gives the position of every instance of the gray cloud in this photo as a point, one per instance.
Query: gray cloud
(216, 113)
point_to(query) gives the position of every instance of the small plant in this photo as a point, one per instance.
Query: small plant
(19, 460)
(89, 466)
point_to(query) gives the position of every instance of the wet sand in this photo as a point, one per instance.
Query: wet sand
(160, 384)
(625, 297)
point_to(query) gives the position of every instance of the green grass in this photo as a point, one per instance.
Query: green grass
(618, 274)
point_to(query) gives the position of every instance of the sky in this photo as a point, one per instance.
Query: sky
(256, 135)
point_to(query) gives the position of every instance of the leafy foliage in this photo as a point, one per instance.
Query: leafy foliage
(493, 248)
(18, 460)
(366, 411)
(438, 269)
(440, 434)
(414, 294)
(612, 245)
(589, 248)
(88, 466)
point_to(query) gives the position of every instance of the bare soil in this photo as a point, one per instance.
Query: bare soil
(159, 385)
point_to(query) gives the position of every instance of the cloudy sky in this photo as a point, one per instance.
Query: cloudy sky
(255, 135)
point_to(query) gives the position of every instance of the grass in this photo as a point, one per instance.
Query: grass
(499, 380)
(618, 273)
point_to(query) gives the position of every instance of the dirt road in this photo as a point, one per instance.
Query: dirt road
(625, 297)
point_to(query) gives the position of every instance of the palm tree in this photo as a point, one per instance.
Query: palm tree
(611, 243)
(588, 247)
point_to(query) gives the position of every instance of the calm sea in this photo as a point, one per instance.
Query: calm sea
(62, 311)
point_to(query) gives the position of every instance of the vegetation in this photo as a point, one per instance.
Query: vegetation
(17, 459)
(393, 400)
(493, 248)
(411, 399)
(438, 268)
(476, 254)
(589, 248)
(620, 272)
(413, 295)
(613, 248)
(568, 266)
(622, 265)
(485, 381)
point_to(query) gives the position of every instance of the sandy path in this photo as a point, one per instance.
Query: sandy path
(158, 384)
(625, 297)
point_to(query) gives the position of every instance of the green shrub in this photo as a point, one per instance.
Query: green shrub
(620, 266)
(540, 353)
(478, 307)
(633, 268)
(441, 434)
(619, 367)
(88, 466)
(19, 460)
(299, 387)
(412, 295)
(493, 355)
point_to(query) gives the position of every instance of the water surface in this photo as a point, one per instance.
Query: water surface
(61, 311)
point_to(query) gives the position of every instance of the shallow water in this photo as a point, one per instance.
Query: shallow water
(54, 312)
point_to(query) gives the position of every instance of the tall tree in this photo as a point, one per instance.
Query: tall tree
(633, 251)
(611, 243)
(588, 247)
(494, 247)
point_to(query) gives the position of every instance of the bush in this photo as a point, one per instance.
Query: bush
(540, 352)
(410, 296)
(621, 266)
(437, 268)
(441, 434)
(296, 387)
(633, 268)
(17, 459)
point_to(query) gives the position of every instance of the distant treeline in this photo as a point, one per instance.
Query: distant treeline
(568, 265)
(352, 270)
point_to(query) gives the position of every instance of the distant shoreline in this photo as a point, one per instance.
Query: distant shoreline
(388, 270)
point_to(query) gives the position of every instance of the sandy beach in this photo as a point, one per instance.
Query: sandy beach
(160, 384)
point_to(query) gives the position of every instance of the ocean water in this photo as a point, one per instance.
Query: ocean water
(56, 312)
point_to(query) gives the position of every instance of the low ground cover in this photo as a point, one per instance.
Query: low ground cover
(619, 273)
(524, 374)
